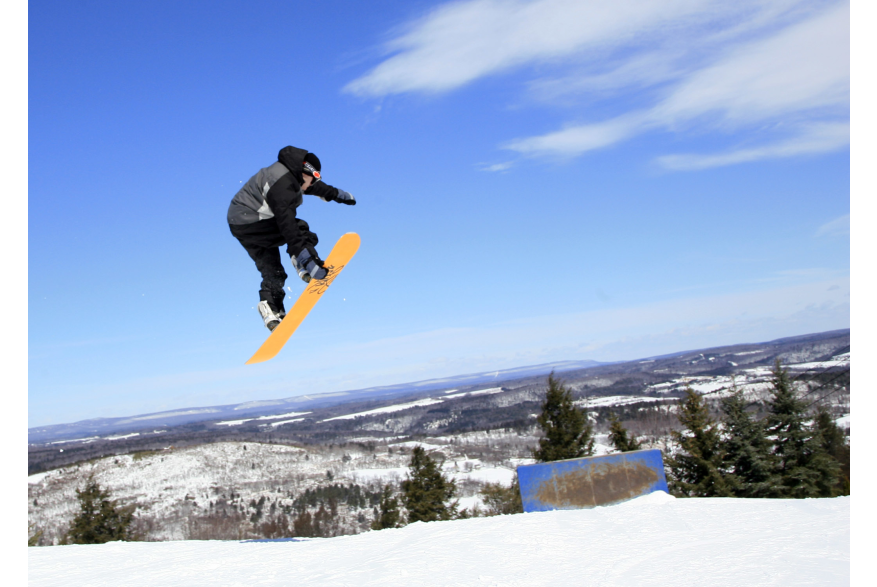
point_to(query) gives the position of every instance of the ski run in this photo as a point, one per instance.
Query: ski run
(652, 540)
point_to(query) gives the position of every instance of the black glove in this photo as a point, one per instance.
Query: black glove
(308, 265)
(345, 198)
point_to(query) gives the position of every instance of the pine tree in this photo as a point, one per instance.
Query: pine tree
(834, 443)
(568, 434)
(695, 466)
(389, 515)
(100, 519)
(803, 466)
(303, 525)
(618, 436)
(323, 522)
(502, 500)
(427, 492)
(747, 459)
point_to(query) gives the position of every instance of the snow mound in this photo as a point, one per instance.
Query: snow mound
(653, 540)
(36, 478)
(653, 498)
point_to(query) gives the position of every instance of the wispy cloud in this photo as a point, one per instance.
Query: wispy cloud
(810, 139)
(460, 42)
(778, 71)
(837, 227)
(636, 71)
(575, 140)
(802, 68)
(796, 82)
(505, 166)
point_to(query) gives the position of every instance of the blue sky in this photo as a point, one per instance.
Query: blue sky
(536, 181)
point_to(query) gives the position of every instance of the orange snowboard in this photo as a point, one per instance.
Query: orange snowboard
(341, 254)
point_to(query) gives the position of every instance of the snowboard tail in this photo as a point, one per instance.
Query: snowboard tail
(341, 254)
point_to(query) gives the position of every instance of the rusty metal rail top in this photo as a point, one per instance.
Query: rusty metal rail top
(591, 481)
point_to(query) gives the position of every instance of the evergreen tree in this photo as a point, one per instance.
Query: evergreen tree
(834, 443)
(100, 519)
(427, 492)
(389, 515)
(801, 463)
(324, 522)
(303, 525)
(568, 434)
(618, 436)
(501, 500)
(747, 459)
(695, 465)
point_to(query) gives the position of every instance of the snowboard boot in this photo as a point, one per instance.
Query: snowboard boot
(308, 265)
(269, 316)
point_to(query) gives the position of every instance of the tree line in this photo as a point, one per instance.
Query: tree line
(791, 452)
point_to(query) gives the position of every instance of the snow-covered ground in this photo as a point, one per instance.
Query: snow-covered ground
(615, 400)
(415, 404)
(274, 417)
(490, 391)
(462, 470)
(755, 383)
(653, 540)
(160, 483)
(111, 437)
(389, 409)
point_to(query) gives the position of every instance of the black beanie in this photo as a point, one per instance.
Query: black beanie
(313, 160)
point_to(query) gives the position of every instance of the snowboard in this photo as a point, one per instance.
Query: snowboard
(340, 256)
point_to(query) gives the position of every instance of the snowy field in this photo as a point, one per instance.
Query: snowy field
(653, 540)
(755, 383)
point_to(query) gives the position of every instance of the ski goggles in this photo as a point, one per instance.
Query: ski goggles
(311, 170)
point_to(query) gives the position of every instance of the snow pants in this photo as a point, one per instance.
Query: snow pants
(262, 241)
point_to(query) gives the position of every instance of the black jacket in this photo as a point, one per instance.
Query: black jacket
(272, 195)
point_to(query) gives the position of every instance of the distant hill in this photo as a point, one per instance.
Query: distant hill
(636, 374)
(105, 426)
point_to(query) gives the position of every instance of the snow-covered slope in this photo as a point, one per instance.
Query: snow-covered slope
(175, 487)
(653, 540)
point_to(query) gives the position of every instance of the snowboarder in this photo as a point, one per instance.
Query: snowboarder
(262, 216)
